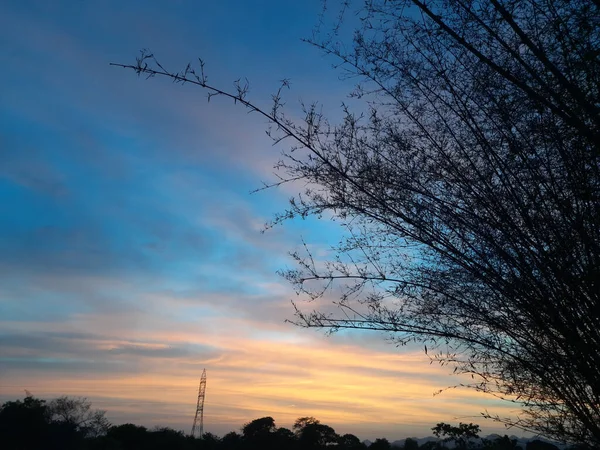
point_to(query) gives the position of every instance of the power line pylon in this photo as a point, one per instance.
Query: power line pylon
(199, 425)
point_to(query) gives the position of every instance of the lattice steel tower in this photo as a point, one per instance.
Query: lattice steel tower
(200, 407)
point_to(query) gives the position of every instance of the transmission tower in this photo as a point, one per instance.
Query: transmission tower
(199, 425)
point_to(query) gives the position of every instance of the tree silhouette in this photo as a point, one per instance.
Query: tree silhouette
(210, 441)
(410, 444)
(502, 443)
(350, 442)
(24, 424)
(78, 413)
(470, 193)
(380, 444)
(260, 433)
(463, 436)
(232, 440)
(28, 425)
(129, 436)
(540, 445)
(312, 434)
(285, 438)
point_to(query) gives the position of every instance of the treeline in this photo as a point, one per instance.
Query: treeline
(68, 423)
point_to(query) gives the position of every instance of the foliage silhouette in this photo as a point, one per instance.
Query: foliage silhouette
(380, 444)
(463, 436)
(78, 413)
(24, 424)
(410, 444)
(29, 425)
(351, 442)
(540, 445)
(502, 443)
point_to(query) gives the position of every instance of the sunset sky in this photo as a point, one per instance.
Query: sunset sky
(131, 252)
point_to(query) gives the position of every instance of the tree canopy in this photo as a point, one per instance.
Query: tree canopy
(29, 424)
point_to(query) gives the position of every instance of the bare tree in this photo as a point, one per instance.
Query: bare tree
(470, 193)
(78, 412)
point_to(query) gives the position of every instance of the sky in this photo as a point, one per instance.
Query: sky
(132, 251)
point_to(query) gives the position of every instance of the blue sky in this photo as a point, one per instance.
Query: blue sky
(131, 252)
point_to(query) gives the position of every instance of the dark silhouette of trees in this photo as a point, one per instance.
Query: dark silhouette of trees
(259, 432)
(29, 425)
(462, 436)
(77, 412)
(540, 445)
(470, 192)
(312, 434)
(285, 438)
(350, 442)
(410, 444)
(24, 424)
(232, 440)
(61, 424)
(380, 444)
(210, 441)
(129, 436)
(259, 428)
(165, 437)
(431, 445)
(502, 443)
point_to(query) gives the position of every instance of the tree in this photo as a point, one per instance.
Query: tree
(232, 441)
(470, 193)
(259, 427)
(260, 433)
(302, 422)
(312, 434)
(210, 441)
(285, 438)
(380, 444)
(540, 445)
(502, 443)
(410, 444)
(165, 437)
(24, 424)
(350, 442)
(129, 436)
(462, 436)
(78, 413)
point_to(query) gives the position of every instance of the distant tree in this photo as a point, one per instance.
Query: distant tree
(260, 433)
(410, 444)
(470, 191)
(312, 434)
(463, 436)
(540, 445)
(78, 413)
(129, 436)
(303, 422)
(259, 427)
(232, 441)
(285, 438)
(380, 444)
(502, 443)
(24, 424)
(350, 442)
(166, 438)
(431, 445)
(210, 441)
